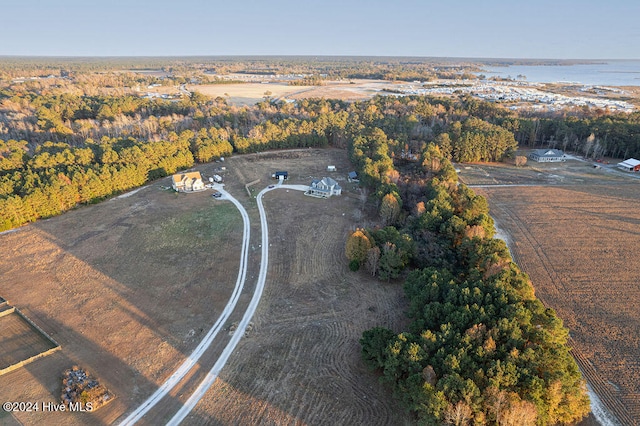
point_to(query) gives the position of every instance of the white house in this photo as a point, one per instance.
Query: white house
(325, 188)
(187, 182)
(630, 165)
(548, 156)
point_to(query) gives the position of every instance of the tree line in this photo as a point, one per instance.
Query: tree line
(480, 347)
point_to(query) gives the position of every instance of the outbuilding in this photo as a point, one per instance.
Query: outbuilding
(630, 165)
(280, 175)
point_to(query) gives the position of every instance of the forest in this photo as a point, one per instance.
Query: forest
(480, 347)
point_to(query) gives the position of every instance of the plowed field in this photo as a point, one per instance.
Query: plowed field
(579, 244)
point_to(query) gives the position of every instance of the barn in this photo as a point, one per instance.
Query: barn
(548, 156)
(630, 165)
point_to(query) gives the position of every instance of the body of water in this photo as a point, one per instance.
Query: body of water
(609, 73)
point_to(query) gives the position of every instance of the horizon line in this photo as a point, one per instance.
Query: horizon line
(267, 56)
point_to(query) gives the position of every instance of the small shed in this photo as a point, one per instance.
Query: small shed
(630, 165)
(331, 168)
(281, 175)
(353, 176)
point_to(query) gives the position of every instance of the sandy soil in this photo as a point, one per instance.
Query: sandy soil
(251, 93)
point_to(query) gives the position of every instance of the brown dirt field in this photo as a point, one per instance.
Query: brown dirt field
(19, 340)
(246, 93)
(577, 243)
(251, 93)
(127, 287)
(301, 363)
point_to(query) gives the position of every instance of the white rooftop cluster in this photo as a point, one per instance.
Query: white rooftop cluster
(514, 91)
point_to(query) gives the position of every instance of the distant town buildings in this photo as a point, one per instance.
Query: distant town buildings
(519, 94)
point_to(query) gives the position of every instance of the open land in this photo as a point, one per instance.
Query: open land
(301, 363)
(250, 93)
(129, 286)
(574, 230)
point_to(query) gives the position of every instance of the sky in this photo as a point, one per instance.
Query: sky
(553, 29)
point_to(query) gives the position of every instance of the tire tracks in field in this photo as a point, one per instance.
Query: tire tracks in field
(211, 377)
(555, 279)
(602, 390)
(197, 353)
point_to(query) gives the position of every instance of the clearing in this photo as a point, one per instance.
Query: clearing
(128, 286)
(251, 93)
(301, 362)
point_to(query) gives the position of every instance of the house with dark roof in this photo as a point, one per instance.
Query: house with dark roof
(548, 156)
(325, 188)
(187, 182)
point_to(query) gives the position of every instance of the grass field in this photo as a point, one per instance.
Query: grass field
(576, 237)
(301, 362)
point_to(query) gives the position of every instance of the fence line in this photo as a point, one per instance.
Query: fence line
(56, 345)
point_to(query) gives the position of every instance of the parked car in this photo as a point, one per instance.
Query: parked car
(216, 195)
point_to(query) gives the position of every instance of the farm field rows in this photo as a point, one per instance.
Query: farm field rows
(578, 243)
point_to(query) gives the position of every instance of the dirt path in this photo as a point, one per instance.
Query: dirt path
(204, 345)
(242, 327)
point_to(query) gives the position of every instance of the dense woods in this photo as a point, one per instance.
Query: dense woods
(480, 347)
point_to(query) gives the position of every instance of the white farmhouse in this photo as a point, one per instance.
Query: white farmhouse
(325, 188)
(548, 156)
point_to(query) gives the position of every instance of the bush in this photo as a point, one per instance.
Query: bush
(354, 265)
